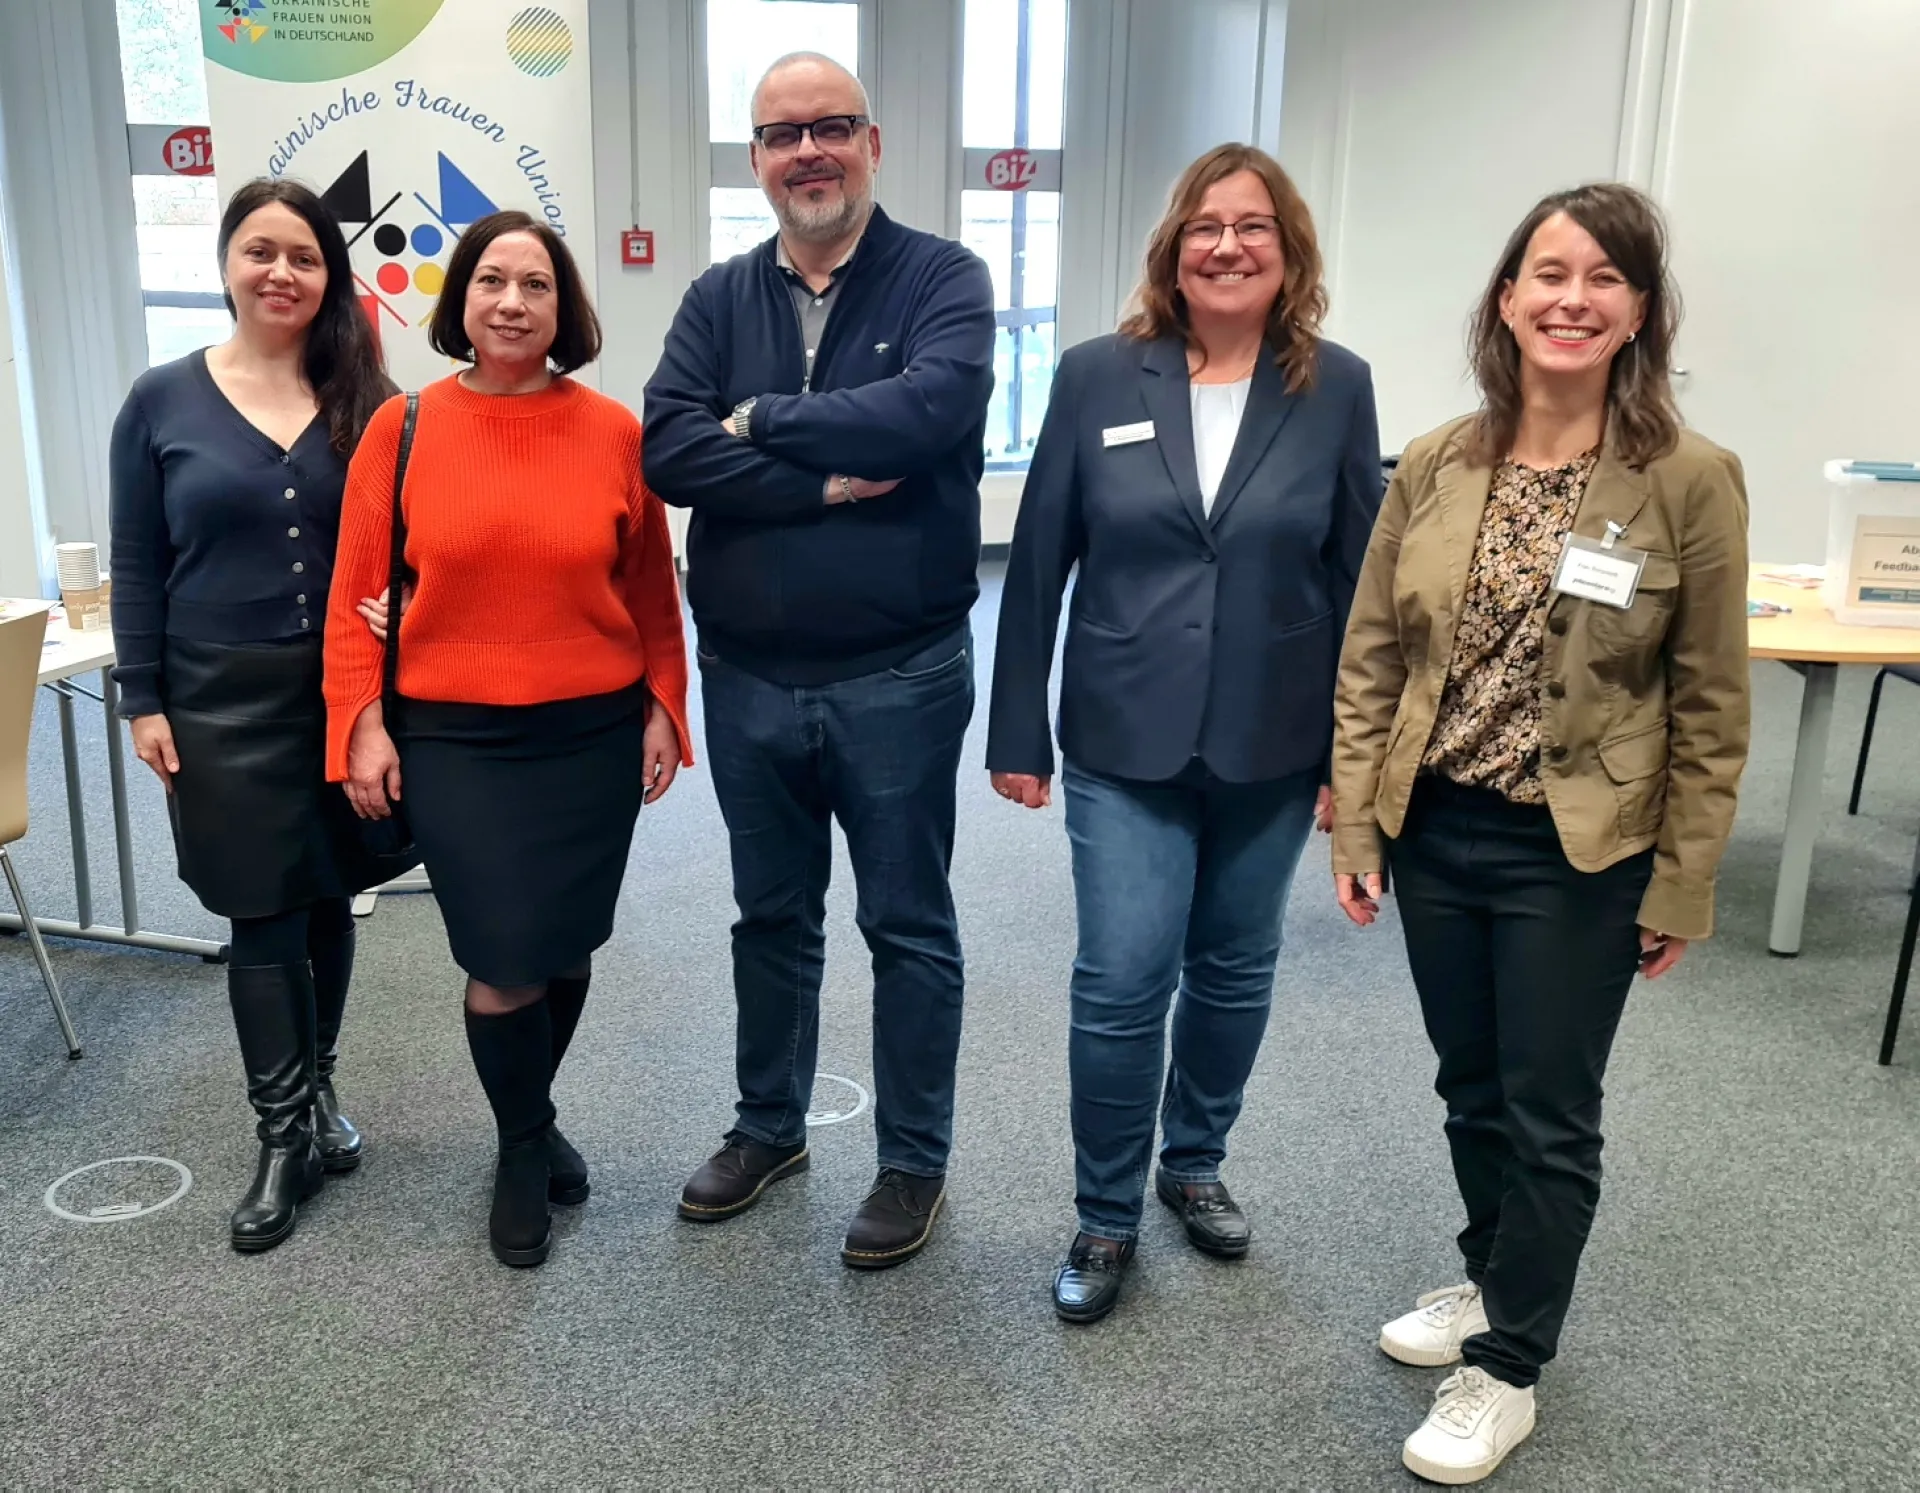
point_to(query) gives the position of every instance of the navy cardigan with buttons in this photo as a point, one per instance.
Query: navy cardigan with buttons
(219, 535)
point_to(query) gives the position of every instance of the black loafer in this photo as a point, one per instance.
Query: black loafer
(1213, 1221)
(895, 1220)
(1087, 1287)
(733, 1178)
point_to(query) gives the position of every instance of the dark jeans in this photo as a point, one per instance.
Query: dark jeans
(1523, 965)
(879, 754)
(1175, 884)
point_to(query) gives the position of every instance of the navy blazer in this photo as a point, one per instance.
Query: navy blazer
(1190, 635)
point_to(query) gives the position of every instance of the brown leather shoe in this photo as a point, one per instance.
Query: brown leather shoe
(895, 1220)
(733, 1178)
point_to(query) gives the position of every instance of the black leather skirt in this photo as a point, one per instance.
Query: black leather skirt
(258, 829)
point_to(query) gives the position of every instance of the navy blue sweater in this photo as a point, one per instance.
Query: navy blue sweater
(219, 536)
(783, 584)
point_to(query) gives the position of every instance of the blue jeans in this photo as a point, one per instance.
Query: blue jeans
(880, 754)
(1176, 884)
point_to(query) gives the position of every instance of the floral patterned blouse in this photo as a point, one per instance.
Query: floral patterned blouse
(1487, 733)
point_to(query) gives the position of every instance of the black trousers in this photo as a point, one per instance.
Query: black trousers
(1523, 965)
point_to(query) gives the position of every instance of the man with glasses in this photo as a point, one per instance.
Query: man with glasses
(820, 406)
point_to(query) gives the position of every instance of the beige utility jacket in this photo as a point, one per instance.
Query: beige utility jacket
(1644, 711)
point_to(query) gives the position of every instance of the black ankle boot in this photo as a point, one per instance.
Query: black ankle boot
(567, 1182)
(273, 1015)
(519, 1227)
(513, 1054)
(566, 999)
(337, 1139)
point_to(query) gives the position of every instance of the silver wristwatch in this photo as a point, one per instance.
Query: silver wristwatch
(737, 422)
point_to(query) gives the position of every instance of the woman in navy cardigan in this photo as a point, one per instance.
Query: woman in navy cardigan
(1213, 470)
(227, 469)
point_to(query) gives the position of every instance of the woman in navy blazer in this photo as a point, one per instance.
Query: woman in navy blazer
(1213, 469)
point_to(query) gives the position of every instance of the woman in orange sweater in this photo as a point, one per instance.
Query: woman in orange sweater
(542, 673)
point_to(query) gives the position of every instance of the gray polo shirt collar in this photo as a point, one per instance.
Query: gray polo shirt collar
(812, 305)
(785, 260)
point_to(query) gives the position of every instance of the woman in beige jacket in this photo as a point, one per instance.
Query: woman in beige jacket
(1541, 721)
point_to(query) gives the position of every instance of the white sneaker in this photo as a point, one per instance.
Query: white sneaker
(1475, 1421)
(1431, 1334)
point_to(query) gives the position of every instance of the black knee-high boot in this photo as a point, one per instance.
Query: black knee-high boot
(273, 1016)
(513, 1054)
(337, 1139)
(566, 999)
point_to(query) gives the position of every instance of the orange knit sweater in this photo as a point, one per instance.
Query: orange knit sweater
(543, 566)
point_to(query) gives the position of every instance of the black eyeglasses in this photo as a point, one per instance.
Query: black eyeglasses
(829, 131)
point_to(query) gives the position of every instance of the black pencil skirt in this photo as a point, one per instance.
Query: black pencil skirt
(524, 815)
(257, 827)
